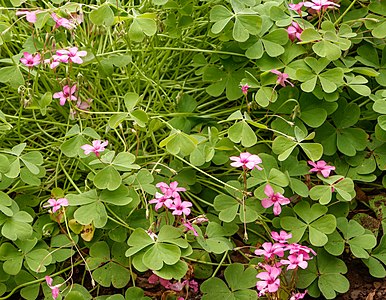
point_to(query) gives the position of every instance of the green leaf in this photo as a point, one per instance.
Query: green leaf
(142, 25)
(124, 162)
(283, 146)
(242, 132)
(17, 226)
(234, 272)
(12, 75)
(120, 196)
(112, 274)
(12, 257)
(265, 96)
(314, 151)
(376, 268)
(179, 141)
(160, 253)
(103, 15)
(227, 206)
(215, 289)
(327, 49)
(131, 99)
(176, 271)
(221, 16)
(380, 30)
(117, 119)
(108, 178)
(38, 259)
(71, 147)
(135, 292)
(92, 213)
(310, 35)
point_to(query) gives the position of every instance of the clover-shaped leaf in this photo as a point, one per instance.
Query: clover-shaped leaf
(229, 207)
(314, 218)
(179, 142)
(214, 239)
(142, 25)
(242, 132)
(246, 22)
(109, 269)
(327, 270)
(216, 289)
(166, 249)
(17, 227)
(103, 15)
(356, 237)
(344, 187)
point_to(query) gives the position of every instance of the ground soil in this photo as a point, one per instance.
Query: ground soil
(362, 285)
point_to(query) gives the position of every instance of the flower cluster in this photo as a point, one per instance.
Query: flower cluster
(70, 55)
(170, 198)
(97, 147)
(275, 199)
(321, 167)
(294, 31)
(56, 204)
(30, 60)
(177, 286)
(188, 224)
(54, 288)
(298, 257)
(29, 15)
(246, 160)
(66, 95)
(282, 78)
(67, 23)
(318, 5)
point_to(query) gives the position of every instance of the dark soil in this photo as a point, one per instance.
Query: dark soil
(362, 285)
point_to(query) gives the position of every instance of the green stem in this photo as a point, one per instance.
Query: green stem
(345, 12)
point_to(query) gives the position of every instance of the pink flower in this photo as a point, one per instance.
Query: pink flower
(54, 61)
(170, 191)
(295, 261)
(154, 279)
(83, 105)
(193, 285)
(189, 226)
(200, 219)
(29, 15)
(246, 160)
(244, 88)
(66, 95)
(298, 296)
(270, 250)
(282, 237)
(282, 78)
(321, 167)
(294, 31)
(72, 54)
(97, 147)
(177, 286)
(319, 5)
(56, 204)
(30, 60)
(180, 208)
(275, 199)
(300, 249)
(62, 22)
(152, 234)
(54, 289)
(269, 281)
(161, 200)
(296, 7)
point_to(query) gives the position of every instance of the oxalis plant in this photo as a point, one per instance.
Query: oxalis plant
(190, 149)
